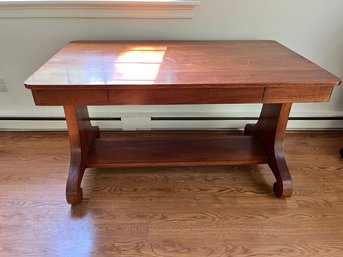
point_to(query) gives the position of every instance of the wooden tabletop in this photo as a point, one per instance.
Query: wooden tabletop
(113, 64)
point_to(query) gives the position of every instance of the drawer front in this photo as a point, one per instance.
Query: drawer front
(185, 96)
(299, 94)
(70, 97)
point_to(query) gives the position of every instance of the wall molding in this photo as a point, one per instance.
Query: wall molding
(146, 9)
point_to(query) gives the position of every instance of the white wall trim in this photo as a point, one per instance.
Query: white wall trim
(60, 125)
(143, 9)
(143, 122)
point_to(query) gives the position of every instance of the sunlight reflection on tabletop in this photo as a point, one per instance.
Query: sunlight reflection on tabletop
(126, 66)
(139, 65)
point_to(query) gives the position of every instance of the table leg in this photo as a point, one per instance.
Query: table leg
(270, 131)
(81, 136)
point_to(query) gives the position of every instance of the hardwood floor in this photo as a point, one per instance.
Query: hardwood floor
(194, 211)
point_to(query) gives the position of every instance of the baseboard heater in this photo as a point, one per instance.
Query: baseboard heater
(168, 118)
(165, 123)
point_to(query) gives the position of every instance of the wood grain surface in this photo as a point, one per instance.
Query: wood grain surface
(193, 211)
(119, 65)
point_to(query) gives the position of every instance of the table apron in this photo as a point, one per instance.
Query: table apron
(161, 96)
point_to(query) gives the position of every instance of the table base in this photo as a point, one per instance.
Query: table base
(261, 143)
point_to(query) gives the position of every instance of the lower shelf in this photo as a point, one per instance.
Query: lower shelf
(174, 149)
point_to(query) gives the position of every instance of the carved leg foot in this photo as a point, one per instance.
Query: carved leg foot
(75, 197)
(283, 185)
(282, 189)
(74, 193)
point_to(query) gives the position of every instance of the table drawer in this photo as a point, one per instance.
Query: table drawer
(297, 94)
(185, 96)
(70, 97)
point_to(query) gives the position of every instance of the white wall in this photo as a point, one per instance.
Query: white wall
(313, 28)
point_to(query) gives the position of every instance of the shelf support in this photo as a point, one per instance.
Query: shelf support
(270, 131)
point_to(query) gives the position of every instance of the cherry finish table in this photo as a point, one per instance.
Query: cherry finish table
(178, 72)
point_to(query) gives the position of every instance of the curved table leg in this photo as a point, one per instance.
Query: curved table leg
(81, 136)
(270, 131)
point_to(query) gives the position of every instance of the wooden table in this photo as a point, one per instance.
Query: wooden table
(177, 72)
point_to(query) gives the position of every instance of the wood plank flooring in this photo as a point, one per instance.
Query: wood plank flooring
(171, 212)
